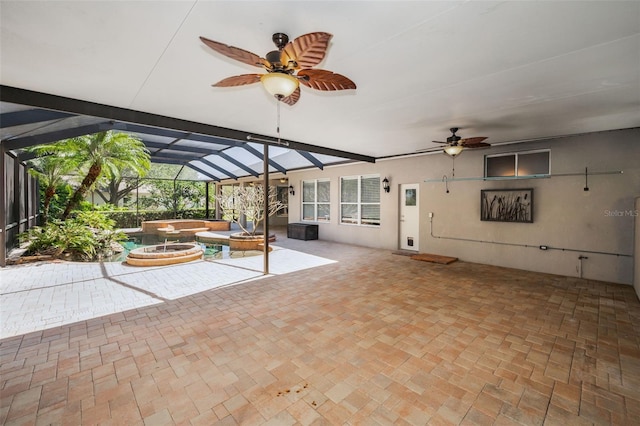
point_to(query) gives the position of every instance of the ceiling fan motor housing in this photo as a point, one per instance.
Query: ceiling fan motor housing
(453, 139)
(274, 59)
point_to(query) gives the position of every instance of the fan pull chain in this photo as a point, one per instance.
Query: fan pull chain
(278, 121)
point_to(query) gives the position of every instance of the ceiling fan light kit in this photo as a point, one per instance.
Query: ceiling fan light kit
(453, 150)
(279, 84)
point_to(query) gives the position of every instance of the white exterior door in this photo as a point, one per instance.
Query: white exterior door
(409, 217)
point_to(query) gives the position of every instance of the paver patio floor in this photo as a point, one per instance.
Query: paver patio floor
(370, 339)
(39, 296)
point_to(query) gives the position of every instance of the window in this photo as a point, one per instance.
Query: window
(315, 200)
(518, 164)
(360, 200)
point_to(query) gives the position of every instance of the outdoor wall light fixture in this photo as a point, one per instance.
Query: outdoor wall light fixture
(291, 191)
(385, 185)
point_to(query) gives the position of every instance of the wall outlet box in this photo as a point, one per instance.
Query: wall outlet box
(430, 214)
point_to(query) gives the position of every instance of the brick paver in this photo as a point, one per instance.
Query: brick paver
(375, 338)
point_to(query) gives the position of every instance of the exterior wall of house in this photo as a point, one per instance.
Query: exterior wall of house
(597, 224)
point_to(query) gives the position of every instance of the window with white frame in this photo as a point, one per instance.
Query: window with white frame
(316, 206)
(518, 164)
(360, 200)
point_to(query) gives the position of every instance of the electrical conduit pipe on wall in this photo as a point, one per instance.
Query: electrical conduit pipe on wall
(545, 247)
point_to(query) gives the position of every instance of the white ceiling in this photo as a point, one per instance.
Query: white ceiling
(506, 70)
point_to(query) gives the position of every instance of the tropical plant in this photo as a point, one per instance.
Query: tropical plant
(87, 236)
(50, 171)
(59, 201)
(249, 200)
(103, 154)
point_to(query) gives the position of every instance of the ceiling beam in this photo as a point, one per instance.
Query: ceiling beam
(26, 156)
(310, 148)
(75, 106)
(232, 160)
(204, 172)
(165, 160)
(205, 152)
(258, 154)
(310, 158)
(176, 134)
(163, 154)
(218, 168)
(19, 118)
(27, 141)
(163, 146)
(187, 164)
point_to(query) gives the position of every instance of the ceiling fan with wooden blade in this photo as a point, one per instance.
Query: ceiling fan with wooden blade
(286, 67)
(456, 144)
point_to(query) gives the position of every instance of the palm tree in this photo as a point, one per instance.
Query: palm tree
(50, 172)
(109, 153)
(103, 154)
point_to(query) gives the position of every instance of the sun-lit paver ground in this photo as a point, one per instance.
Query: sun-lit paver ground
(47, 294)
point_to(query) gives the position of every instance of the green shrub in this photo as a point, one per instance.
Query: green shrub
(133, 219)
(86, 237)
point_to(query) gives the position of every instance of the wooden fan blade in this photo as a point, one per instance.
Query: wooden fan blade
(238, 80)
(236, 53)
(442, 143)
(472, 141)
(292, 98)
(325, 80)
(476, 145)
(308, 50)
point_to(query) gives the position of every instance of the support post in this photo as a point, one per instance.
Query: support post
(3, 209)
(206, 200)
(218, 192)
(138, 202)
(265, 230)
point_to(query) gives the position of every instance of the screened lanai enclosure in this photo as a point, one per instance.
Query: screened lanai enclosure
(216, 157)
(181, 197)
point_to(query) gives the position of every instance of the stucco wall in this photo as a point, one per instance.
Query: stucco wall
(565, 216)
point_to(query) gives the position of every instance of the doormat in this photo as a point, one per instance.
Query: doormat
(404, 252)
(434, 258)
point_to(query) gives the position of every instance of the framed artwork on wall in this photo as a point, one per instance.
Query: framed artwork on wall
(507, 205)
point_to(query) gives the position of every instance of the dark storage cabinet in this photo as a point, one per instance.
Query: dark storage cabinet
(302, 231)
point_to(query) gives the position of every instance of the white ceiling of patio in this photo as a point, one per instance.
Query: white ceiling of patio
(506, 70)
